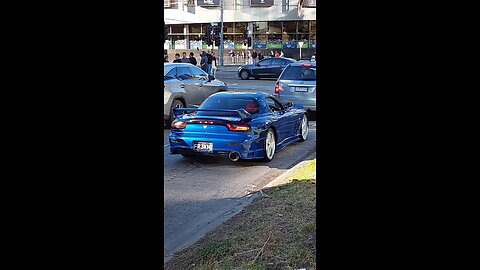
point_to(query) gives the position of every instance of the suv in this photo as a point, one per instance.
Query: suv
(185, 85)
(298, 84)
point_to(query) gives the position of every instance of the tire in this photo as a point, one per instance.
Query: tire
(269, 146)
(176, 103)
(244, 75)
(303, 129)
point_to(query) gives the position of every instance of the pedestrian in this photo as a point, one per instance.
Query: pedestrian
(277, 54)
(281, 54)
(232, 55)
(214, 64)
(203, 61)
(165, 58)
(260, 56)
(254, 57)
(209, 63)
(184, 58)
(272, 54)
(192, 59)
(177, 58)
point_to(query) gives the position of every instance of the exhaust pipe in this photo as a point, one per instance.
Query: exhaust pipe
(233, 156)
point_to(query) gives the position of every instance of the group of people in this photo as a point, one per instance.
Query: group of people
(208, 61)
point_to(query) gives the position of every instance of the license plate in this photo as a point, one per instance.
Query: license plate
(203, 146)
(301, 89)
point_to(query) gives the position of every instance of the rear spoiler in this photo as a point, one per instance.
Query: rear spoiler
(244, 115)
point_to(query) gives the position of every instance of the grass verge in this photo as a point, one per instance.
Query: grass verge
(274, 232)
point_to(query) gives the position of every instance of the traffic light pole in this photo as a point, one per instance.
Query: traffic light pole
(221, 32)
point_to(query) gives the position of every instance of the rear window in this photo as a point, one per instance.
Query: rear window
(300, 73)
(229, 103)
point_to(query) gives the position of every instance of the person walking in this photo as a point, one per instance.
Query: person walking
(184, 58)
(260, 56)
(177, 58)
(209, 62)
(254, 57)
(192, 59)
(214, 64)
(277, 54)
(203, 61)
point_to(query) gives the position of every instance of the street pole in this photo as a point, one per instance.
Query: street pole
(221, 32)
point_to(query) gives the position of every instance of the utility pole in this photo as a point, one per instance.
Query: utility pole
(221, 32)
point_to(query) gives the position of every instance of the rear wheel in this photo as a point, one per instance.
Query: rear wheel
(175, 104)
(244, 75)
(269, 145)
(304, 128)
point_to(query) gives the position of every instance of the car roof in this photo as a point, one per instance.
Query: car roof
(296, 64)
(177, 64)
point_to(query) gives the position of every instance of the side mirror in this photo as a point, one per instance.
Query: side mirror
(210, 78)
(288, 104)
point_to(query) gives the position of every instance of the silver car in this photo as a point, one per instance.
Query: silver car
(186, 85)
(298, 84)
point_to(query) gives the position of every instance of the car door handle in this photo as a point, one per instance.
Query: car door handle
(181, 85)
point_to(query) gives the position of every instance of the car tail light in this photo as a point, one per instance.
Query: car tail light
(203, 122)
(238, 127)
(179, 124)
(306, 65)
(277, 88)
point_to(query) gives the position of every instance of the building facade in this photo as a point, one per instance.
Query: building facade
(270, 24)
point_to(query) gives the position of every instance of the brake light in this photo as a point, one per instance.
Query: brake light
(202, 122)
(238, 127)
(179, 124)
(277, 88)
(306, 65)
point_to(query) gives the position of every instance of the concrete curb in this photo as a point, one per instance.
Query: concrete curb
(285, 177)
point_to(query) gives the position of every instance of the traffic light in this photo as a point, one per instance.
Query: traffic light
(249, 42)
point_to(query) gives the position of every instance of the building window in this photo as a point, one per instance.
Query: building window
(227, 27)
(274, 27)
(303, 27)
(177, 28)
(260, 27)
(290, 27)
(195, 28)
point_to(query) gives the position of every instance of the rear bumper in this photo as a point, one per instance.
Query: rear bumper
(247, 148)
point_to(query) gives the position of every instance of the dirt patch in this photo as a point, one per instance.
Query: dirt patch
(274, 232)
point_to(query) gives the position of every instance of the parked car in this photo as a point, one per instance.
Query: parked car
(267, 68)
(239, 125)
(186, 85)
(298, 84)
(305, 60)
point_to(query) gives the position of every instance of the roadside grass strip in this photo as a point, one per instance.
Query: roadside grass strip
(276, 231)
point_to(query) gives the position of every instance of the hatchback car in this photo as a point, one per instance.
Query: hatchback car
(298, 84)
(185, 85)
(267, 68)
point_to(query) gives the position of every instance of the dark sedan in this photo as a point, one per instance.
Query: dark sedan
(267, 68)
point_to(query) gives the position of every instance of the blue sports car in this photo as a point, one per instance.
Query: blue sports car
(240, 125)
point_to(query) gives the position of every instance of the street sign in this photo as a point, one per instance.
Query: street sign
(261, 3)
(208, 3)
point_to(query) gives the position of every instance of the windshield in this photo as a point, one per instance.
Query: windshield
(300, 73)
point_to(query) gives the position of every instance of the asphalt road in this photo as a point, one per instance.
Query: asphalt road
(200, 193)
